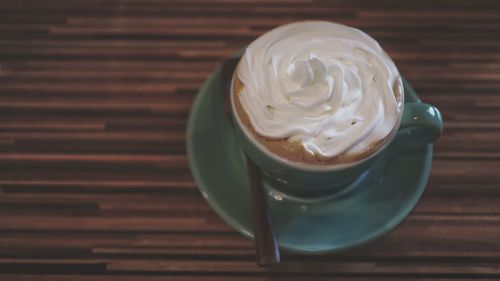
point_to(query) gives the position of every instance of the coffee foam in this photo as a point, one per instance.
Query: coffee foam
(319, 89)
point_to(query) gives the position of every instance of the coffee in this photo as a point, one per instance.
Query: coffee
(318, 93)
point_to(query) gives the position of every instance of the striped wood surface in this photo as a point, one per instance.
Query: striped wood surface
(94, 97)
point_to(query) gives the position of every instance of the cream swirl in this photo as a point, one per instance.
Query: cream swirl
(326, 85)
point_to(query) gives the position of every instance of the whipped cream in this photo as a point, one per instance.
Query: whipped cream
(326, 85)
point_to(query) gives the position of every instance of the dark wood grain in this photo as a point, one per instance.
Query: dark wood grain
(94, 97)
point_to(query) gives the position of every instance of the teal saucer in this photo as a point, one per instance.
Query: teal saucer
(378, 202)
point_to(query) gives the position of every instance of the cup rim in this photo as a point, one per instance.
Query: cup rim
(311, 167)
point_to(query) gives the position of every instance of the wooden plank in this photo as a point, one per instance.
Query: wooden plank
(26, 277)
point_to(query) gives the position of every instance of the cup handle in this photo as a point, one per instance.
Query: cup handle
(421, 125)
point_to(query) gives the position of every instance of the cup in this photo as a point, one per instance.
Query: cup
(418, 125)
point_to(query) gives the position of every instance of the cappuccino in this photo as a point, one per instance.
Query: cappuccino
(318, 93)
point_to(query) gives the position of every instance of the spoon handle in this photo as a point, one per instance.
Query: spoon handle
(265, 242)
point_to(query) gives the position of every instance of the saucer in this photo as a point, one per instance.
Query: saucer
(376, 204)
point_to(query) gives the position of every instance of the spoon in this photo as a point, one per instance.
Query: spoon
(266, 244)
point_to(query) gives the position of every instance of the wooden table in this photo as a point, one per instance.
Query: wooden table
(94, 97)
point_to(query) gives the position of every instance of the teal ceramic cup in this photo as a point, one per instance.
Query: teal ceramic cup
(419, 124)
